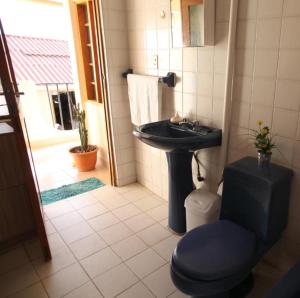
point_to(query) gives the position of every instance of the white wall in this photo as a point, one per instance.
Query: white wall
(96, 119)
(199, 92)
(267, 87)
(116, 38)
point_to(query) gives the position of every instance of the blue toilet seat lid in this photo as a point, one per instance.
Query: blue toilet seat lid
(215, 251)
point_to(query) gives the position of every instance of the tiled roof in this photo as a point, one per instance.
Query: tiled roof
(40, 60)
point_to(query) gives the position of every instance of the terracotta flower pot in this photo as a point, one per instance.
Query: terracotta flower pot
(84, 161)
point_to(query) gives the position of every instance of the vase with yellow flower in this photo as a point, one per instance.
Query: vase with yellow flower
(263, 142)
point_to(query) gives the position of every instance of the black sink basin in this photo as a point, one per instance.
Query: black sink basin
(167, 136)
(179, 142)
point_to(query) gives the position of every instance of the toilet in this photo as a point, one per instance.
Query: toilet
(215, 260)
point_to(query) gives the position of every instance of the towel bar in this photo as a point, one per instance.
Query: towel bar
(169, 79)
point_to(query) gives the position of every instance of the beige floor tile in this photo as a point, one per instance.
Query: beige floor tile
(88, 290)
(145, 263)
(129, 247)
(165, 223)
(17, 280)
(102, 192)
(115, 281)
(103, 221)
(57, 209)
(87, 246)
(147, 203)
(66, 220)
(61, 259)
(130, 187)
(45, 215)
(100, 262)
(136, 194)
(64, 281)
(34, 249)
(76, 232)
(13, 259)
(55, 242)
(139, 222)
(82, 200)
(47, 184)
(34, 291)
(154, 234)
(53, 180)
(49, 227)
(64, 276)
(101, 173)
(126, 211)
(92, 210)
(166, 247)
(137, 291)
(160, 282)
(178, 294)
(159, 213)
(115, 233)
(114, 202)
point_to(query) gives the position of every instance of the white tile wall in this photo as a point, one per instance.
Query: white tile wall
(270, 91)
(117, 47)
(200, 72)
(266, 84)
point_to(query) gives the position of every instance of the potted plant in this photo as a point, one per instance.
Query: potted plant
(85, 155)
(263, 142)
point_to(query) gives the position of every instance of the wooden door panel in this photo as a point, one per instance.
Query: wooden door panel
(10, 174)
(20, 205)
(16, 214)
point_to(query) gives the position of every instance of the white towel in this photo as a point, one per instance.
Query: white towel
(145, 98)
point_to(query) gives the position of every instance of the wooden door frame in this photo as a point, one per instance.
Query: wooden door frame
(101, 53)
(185, 5)
(11, 93)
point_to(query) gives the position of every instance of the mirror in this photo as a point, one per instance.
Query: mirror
(190, 22)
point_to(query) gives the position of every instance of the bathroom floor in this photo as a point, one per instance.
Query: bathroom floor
(54, 167)
(110, 242)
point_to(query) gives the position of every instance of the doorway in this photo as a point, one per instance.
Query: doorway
(58, 82)
(20, 211)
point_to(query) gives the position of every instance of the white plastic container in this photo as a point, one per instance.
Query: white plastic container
(202, 207)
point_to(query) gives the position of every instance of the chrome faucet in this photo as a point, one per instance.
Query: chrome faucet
(186, 122)
(189, 124)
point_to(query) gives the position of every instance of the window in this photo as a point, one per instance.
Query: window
(62, 106)
(89, 48)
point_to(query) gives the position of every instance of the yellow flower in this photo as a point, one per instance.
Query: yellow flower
(259, 122)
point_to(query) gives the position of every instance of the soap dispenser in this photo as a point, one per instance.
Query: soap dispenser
(176, 119)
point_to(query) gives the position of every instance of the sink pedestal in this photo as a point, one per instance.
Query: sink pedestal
(180, 186)
(180, 142)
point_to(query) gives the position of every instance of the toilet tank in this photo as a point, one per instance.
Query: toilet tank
(257, 197)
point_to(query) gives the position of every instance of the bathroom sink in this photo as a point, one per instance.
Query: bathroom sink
(179, 142)
(167, 136)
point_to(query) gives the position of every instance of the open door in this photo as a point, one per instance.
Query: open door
(88, 36)
(20, 208)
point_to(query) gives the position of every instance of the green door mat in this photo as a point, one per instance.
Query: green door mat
(66, 191)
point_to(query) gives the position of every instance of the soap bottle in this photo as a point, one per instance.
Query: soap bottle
(176, 119)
